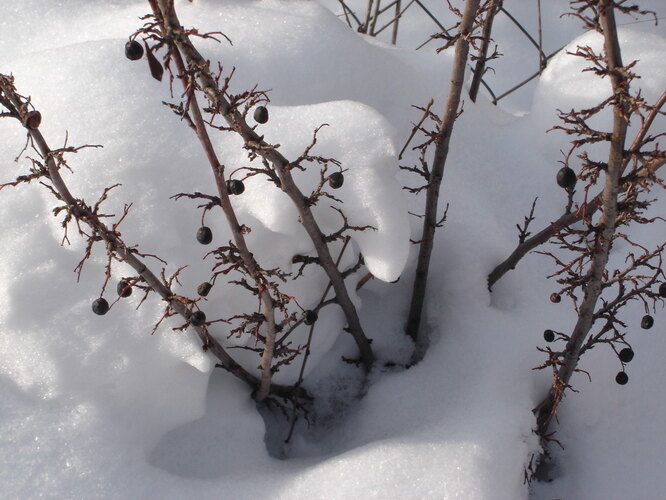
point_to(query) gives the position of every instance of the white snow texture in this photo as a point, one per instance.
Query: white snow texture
(96, 407)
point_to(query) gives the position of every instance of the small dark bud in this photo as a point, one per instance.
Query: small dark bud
(336, 180)
(204, 288)
(621, 378)
(555, 298)
(204, 235)
(310, 317)
(100, 306)
(133, 50)
(626, 355)
(236, 187)
(32, 120)
(261, 114)
(124, 289)
(647, 322)
(662, 290)
(566, 178)
(198, 318)
(549, 335)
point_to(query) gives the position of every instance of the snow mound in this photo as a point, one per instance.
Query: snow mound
(360, 139)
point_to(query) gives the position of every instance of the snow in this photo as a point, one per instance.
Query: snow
(97, 407)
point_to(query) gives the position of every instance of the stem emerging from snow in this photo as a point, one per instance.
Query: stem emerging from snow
(430, 220)
(606, 226)
(175, 34)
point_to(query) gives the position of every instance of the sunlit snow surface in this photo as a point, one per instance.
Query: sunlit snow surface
(97, 407)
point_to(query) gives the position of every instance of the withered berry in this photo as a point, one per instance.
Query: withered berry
(198, 318)
(204, 235)
(621, 378)
(310, 317)
(234, 186)
(204, 288)
(662, 290)
(133, 50)
(124, 289)
(261, 114)
(336, 180)
(566, 178)
(626, 354)
(555, 298)
(549, 335)
(647, 322)
(100, 306)
(32, 120)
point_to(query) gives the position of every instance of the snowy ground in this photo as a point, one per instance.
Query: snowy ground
(97, 407)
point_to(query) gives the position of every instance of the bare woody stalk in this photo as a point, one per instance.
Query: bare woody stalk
(583, 212)
(84, 214)
(255, 271)
(606, 226)
(480, 67)
(176, 35)
(394, 34)
(443, 138)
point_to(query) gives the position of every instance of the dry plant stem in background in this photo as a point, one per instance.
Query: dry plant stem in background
(584, 212)
(606, 226)
(17, 107)
(178, 39)
(442, 140)
(480, 68)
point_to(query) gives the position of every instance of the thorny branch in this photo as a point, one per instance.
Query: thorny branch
(19, 108)
(196, 75)
(587, 273)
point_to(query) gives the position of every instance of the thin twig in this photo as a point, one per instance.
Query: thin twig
(236, 121)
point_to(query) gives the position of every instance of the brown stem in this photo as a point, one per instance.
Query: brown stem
(570, 218)
(248, 258)
(373, 25)
(443, 139)
(480, 67)
(122, 251)
(548, 407)
(394, 35)
(175, 33)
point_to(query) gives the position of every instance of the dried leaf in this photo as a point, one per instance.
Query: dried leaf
(156, 68)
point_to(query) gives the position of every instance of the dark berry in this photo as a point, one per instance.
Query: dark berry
(549, 335)
(626, 355)
(310, 317)
(32, 120)
(133, 50)
(566, 178)
(204, 288)
(124, 288)
(100, 306)
(204, 235)
(261, 114)
(234, 186)
(336, 180)
(198, 318)
(621, 378)
(555, 298)
(662, 290)
(647, 322)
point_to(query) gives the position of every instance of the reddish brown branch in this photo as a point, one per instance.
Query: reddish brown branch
(606, 225)
(174, 33)
(115, 244)
(480, 67)
(585, 211)
(443, 139)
